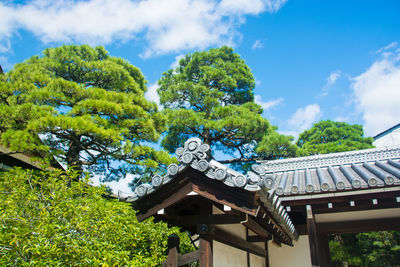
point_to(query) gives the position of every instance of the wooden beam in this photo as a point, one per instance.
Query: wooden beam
(365, 197)
(188, 257)
(237, 242)
(255, 227)
(359, 226)
(257, 238)
(272, 230)
(210, 219)
(166, 202)
(312, 237)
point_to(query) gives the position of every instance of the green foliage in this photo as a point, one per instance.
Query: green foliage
(210, 96)
(331, 136)
(47, 219)
(88, 108)
(374, 249)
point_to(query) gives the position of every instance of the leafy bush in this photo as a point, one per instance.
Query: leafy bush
(47, 218)
(373, 249)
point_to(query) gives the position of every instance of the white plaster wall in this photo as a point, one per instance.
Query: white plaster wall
(226, 256)
(286, 256)
(256, 261)
(391, 139)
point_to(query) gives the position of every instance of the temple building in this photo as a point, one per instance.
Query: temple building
(278, 214)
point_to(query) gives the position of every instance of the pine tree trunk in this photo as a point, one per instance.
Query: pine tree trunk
(73, 160)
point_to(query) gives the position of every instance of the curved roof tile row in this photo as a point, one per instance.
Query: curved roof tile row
(198, 156)
(334, 172)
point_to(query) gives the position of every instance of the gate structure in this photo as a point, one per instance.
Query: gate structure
(278, 214)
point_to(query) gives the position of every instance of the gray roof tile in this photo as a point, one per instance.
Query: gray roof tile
(370, 168)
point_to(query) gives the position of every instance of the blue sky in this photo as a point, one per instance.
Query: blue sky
(312, 60)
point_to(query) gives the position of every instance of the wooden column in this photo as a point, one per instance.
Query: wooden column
(206, 255)
(173, 251)
(312, 237)
(247, 253)
(266, 254)
(205, 232)
(324, 254)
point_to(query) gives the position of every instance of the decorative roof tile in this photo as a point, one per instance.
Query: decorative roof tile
(198, 156)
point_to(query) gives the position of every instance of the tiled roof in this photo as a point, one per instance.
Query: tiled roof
(196, 155)
(352, 170)
(382, 134)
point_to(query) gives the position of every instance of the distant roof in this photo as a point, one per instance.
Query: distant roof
(369, 168)
(10, 158)
(388, 131)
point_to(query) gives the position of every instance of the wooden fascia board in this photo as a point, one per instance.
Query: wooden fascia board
(214, 219)
(236, 198)
(194, 181)
(362, 202)
(359, 226)
(154, 207)
(361, 195)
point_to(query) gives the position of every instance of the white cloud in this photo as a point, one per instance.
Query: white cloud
(166, 25)
(388, 47)
(5, 46)
(342, 119)
(152, 94)
(257, 44)
(121, 185)
(377, 91)
(274, 6)
(303, 118)
(330, 81)
(176, 62)
(268, 104)
(5, 65)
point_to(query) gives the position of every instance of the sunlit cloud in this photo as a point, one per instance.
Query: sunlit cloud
(377, 91)
(165, 25)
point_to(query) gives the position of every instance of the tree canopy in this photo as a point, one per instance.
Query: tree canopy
(47, 220)
(373, 249)
(87, 107)
(210, 95)
(332, 136)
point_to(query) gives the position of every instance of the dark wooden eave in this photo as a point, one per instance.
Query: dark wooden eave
(182, 197)
(193, 181)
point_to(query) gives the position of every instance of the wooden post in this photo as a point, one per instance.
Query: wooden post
(247, 253)
(312, 237)
(324, 253)
(173, 251)
(206, 255)
(266, 254)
